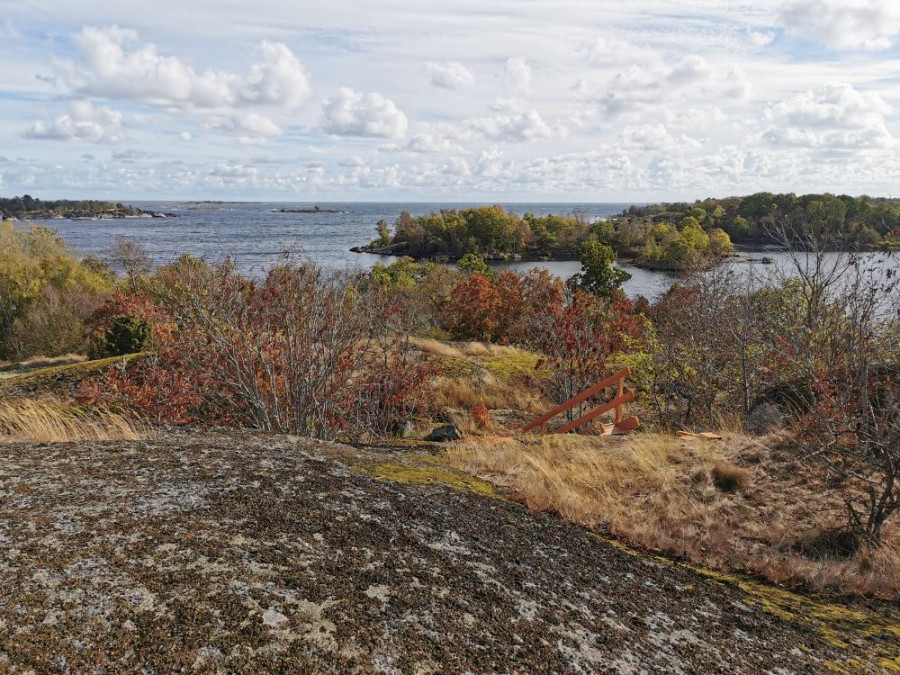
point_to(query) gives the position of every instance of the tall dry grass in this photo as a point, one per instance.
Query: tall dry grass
(734, 505)
(488, 390)
(49, 421)
(460, 350)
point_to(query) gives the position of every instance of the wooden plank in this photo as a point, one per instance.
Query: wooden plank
(703, 435)
(596, 412)
(583, 396)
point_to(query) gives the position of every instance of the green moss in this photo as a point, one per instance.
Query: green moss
(457, 367)
(72, 371)
(855, 631)
(512, 367)
(423, 470)
(505, 368)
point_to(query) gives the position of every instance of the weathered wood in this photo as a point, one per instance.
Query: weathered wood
(596, 412)
(620, 391)
(625, 426)
(703, 435)
(583, 396)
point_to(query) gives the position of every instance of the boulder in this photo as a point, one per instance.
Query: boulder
(765, 418)
(449, 432)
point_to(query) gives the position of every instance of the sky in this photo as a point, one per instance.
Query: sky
(463, 100)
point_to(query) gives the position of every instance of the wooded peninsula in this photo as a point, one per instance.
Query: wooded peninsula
(665, 235)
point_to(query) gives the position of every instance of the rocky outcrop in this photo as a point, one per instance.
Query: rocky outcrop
(259, 554)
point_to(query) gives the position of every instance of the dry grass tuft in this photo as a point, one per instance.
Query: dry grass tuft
(728, 477)
(437, 348)
(48, 362)
(487, 390)
(27, 420)
(736, 505)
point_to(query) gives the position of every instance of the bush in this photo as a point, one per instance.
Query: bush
(126, 335)
(54, 324)
(300, 352)
(33, 260)
(127, 323)
(482, 308)
(480, 415)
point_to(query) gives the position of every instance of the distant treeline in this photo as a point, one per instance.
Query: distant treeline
(27, 206)
(868, 222)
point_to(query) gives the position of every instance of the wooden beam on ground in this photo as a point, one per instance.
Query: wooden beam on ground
(625, 426)
(703, 435)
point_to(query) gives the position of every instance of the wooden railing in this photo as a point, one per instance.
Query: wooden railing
(622, 425)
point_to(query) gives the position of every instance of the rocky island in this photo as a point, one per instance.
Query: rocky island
(314, 209)
(665, 236)
(30, 208)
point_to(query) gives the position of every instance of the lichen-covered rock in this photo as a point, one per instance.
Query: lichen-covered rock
(259, 554)
(765, 418)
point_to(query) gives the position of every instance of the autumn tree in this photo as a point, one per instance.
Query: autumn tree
(132, 258)
(598, 275)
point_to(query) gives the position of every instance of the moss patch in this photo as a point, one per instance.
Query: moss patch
(71, 372)
(843, 627)
(425, 470)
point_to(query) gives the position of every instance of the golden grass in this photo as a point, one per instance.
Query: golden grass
(488, 390)
(496, 376)
(733, 504)
(437, 348)
(459, 350)
(49, 421)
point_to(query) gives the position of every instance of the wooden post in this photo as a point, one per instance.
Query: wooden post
(619, 393)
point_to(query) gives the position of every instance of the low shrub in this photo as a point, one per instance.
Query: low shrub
(728, 477)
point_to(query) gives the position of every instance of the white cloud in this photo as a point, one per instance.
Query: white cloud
(429, 142)
(668, 105)
(449, 75)
(280, 80)
(114, 64)
(351, 113)
(512, 128)
(687, 79)
(129, 156)
(517, 75)
(832, 116)
(762, 38)
(653, 137)
(492, 163)
(509, 105)
(606, 49)
(244, 122)
(83, 122)
(844, 24)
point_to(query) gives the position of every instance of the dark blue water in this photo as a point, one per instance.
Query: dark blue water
(256, 235)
